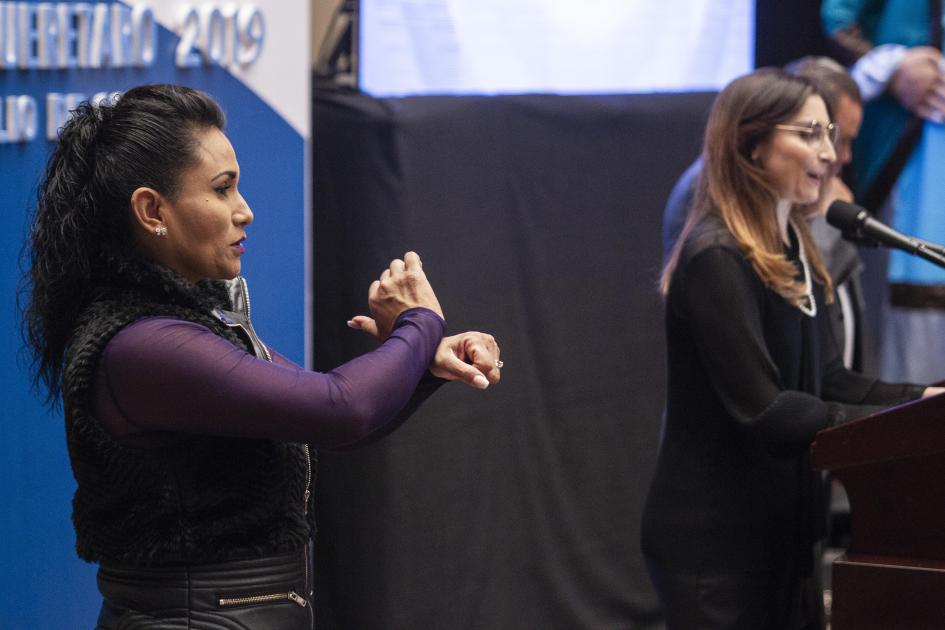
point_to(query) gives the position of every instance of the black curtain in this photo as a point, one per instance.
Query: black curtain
(785, 31)
(538, 220)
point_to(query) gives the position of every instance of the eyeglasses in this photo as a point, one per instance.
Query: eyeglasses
(815, 132)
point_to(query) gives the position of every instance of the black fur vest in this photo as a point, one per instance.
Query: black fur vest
(183, 498)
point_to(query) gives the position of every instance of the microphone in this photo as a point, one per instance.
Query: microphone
(857, 224)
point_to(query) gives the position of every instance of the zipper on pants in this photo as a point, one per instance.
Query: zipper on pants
(291, 596)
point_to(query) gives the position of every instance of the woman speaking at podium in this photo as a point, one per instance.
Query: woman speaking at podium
(190, 438)
(735, 511)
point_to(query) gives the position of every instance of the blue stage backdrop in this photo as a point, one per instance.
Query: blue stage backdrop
(254, 59)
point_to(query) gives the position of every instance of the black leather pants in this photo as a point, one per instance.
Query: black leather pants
(272, 593)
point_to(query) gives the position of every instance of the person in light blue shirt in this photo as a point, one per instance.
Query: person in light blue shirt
(902, 78)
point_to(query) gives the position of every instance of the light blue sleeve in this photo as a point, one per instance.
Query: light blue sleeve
(873, 70)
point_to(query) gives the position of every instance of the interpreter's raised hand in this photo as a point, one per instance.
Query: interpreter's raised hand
(403, 285)
(471, 357)
(914, 83)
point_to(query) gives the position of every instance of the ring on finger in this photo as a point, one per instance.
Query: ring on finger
(499, 364)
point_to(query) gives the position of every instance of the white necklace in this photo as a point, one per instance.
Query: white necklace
(808, 304)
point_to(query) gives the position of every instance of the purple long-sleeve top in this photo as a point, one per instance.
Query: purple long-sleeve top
(163, 374)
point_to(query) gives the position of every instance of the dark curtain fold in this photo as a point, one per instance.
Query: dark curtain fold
(538, 220)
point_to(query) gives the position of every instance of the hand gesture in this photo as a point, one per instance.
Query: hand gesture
(402, 286)
(918, 83)
(471, 357)
(932, 106)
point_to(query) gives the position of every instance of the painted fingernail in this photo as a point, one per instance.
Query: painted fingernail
(480, 381)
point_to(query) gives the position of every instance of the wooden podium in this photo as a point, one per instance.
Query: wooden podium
(892, 465)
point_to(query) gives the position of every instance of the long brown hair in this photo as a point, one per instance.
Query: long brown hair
(739, 191)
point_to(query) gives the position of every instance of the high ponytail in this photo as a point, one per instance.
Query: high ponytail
(82, 219)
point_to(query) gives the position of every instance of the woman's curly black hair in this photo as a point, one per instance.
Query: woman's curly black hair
(82, 219)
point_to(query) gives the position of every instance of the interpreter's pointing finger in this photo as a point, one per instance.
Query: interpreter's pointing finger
(364, 324)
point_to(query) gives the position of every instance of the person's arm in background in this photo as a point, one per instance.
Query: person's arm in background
(918, 83)
(912, 75)
(841, 21)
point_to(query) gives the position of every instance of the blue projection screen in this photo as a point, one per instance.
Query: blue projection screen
(552, 46)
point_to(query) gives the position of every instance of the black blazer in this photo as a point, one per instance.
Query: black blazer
(751, 381)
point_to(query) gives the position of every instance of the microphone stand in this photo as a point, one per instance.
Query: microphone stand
(932, 246)
(931, 252)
